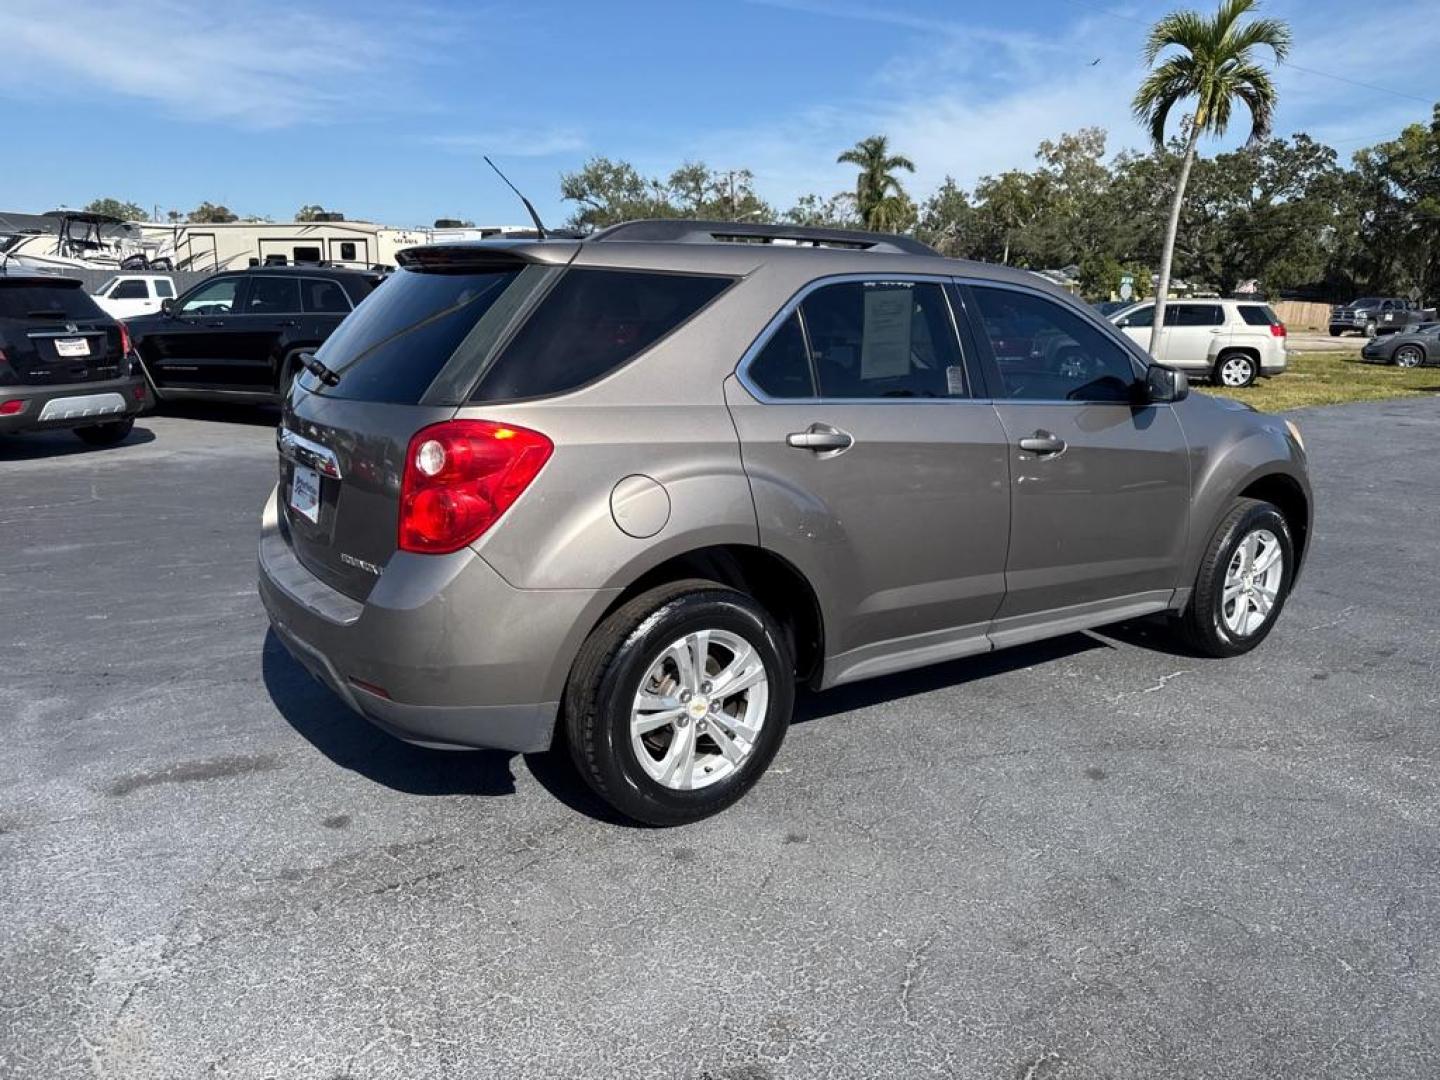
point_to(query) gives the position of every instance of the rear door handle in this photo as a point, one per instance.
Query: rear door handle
(1042, 443)
(822, 438)
(215, 324)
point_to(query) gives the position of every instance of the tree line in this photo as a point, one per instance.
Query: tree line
(1284, 211)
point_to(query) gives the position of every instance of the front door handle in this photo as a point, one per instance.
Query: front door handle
(1042, 443)
(821, 438)
(216, 324)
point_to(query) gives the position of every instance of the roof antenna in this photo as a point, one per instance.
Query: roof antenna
(539, 228)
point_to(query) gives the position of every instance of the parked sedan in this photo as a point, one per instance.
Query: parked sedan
(1411, 348)
(240, 336)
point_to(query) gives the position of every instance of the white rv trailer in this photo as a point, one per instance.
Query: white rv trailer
(235, 245)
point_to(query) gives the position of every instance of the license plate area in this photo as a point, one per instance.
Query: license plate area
(69, 348)
(304, 497)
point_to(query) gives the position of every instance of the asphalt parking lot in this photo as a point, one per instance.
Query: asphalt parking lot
(1088, 858)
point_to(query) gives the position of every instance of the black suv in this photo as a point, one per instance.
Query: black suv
(240, 336)
(64, 363)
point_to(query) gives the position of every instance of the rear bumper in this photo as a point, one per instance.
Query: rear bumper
(67, 407)
(443, 653)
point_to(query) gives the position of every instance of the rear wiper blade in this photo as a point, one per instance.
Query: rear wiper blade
(319, 370)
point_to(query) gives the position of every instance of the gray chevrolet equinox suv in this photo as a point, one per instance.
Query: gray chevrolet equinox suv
(628, 491)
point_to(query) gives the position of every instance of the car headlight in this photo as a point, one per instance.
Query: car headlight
(1294, 433)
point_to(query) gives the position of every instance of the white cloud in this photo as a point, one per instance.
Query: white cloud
(964, 101)
(514, 142)
(257, 65)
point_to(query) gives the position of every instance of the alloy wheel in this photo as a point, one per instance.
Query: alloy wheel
(1237, 371)
(1408, 356)
(699, 710)
(1252, 583)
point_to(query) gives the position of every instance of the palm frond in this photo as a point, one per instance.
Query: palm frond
(1181, 29)
(1273, 33)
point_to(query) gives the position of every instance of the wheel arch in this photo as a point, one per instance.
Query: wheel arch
(775, 583)
(1293, 503)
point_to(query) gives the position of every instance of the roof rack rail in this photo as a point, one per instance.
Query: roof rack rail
(680, 231)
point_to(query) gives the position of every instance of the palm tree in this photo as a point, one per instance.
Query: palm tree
(878, 194)
(1215, 66)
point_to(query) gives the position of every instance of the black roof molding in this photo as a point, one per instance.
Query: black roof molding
(681, 231)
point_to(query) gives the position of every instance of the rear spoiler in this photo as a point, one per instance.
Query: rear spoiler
(481, 256)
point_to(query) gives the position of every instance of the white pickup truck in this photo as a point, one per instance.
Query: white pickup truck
(127, 295)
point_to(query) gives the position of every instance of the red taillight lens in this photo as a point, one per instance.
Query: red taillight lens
(125, 344)
(11, 408)
(1278, 329)
(460, 476)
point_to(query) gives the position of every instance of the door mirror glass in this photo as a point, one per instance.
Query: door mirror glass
(1164, 385)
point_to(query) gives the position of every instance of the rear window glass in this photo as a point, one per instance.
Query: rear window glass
(395, 343)
(46, 302)
(592, 322)
(1256, 315)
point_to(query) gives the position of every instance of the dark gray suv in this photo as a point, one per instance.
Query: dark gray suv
(628, 491)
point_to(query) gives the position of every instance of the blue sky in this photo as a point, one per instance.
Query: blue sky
(382, 110)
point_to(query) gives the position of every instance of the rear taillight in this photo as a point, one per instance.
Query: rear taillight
(125, 344)
(1277, 329)
(11, 408)
(460, 476)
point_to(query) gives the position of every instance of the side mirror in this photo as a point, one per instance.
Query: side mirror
(167, 306)
(1164, 385)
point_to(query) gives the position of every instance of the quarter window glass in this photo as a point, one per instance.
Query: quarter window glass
(883, 339)
(130, 290)
(163, 289)
(591, 323)
(1194, 315)
(1255, 315)
(323, 297)
(212, 298)
(1046, 352)
(782, 369)
(273, 296)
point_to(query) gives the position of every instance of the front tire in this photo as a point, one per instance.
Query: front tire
(106, 434)
(679, 701)
(1236, 370)
(1409, 356)
(1243, 582)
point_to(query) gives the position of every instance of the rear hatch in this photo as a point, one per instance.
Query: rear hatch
(406, 358)
(53, 333)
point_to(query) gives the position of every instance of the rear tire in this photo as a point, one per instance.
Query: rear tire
(106, 434)
(660, 750)
(1236, 370)
(1239, 591)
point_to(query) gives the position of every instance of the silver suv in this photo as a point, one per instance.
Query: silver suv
(629, 491)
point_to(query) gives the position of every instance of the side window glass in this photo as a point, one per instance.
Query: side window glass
(129, 290)
(324, 297)
(1045, 352)
(879, 339)
(1144, 317)
(782, 369)
(1194, 315)
(273, 296)
(212, 298)
(164, 290)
